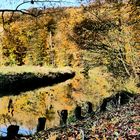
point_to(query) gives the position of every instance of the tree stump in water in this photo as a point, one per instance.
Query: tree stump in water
(41, 124)
(116, 100)
(12, 131)
(104, 105)
(78, 113)
(125, 97)
(89, 107)
(63, 117)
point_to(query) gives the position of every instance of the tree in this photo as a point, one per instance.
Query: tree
(107, 33)
(28, 35)
(35, 12)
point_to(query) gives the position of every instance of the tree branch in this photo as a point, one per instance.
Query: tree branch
(27, 12)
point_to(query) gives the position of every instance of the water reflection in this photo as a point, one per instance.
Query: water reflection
(44, 102)
(26, 108)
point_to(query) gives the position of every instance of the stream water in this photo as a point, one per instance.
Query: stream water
(23, 130)
(43, 102)
(28, 107)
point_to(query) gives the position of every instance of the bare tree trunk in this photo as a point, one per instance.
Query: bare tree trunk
(134, 69)
(52, 51)
(124, 65)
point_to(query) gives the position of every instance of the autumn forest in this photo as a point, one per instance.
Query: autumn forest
(94, 46)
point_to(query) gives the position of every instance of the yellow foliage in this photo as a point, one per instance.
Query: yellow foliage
(131, 85)
(34, 33)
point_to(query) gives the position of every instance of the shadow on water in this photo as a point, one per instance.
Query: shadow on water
(13, 84)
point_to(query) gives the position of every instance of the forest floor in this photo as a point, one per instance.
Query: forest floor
(118, 124)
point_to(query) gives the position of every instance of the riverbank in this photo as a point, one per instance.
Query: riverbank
(122, 123)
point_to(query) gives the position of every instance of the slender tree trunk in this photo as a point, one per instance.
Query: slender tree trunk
(52, 51)
(124, 65)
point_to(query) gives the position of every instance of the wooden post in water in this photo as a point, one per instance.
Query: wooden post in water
(12, 131)
(63, 117)
(41, 124)
(89, 107)
(103, 105)
(78, 113)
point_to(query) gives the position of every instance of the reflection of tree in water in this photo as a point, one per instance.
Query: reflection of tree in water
(11, 107)
(7, 119)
